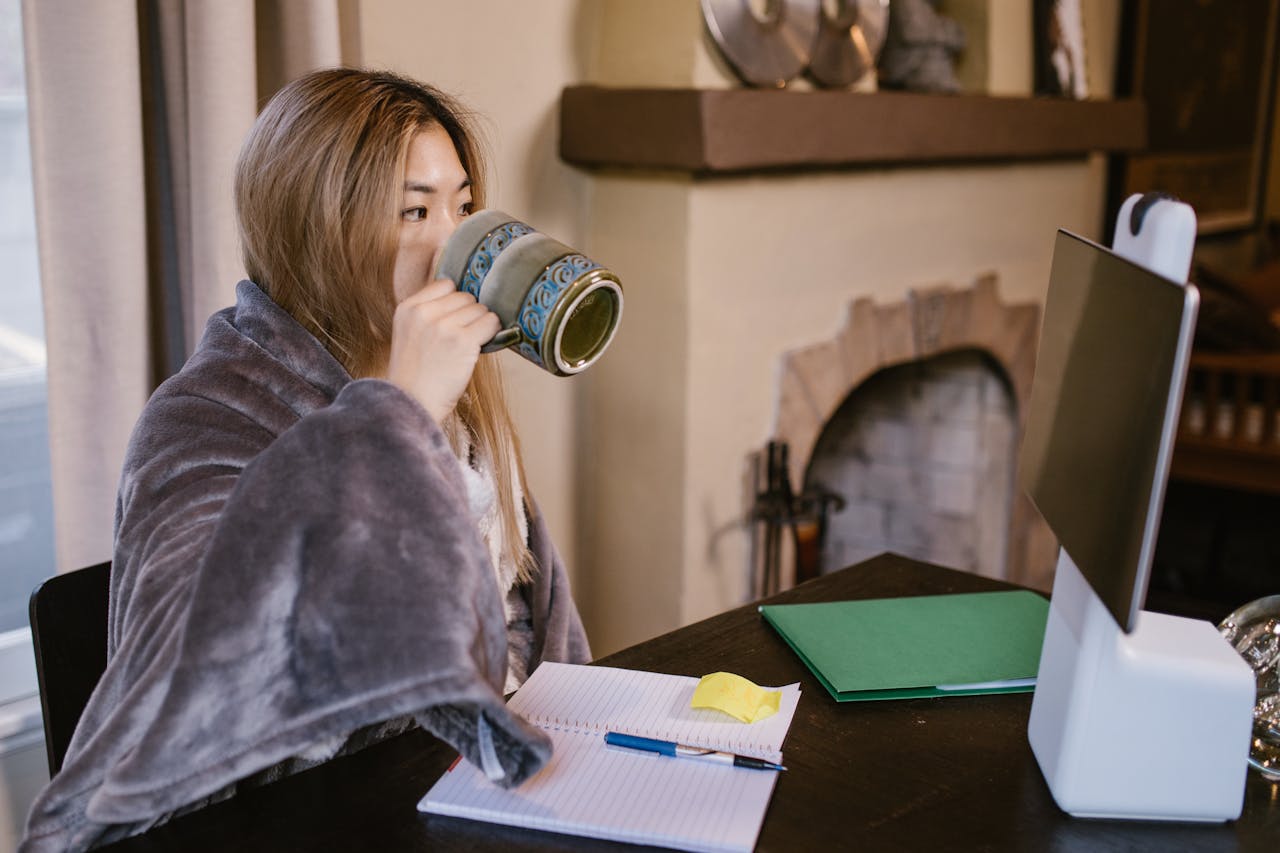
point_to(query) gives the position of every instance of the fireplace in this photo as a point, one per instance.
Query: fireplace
(730, 263)
(902, 434)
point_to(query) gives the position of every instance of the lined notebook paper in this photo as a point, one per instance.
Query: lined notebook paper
(601, 791)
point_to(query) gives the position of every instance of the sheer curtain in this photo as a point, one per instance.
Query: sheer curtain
(137, 110)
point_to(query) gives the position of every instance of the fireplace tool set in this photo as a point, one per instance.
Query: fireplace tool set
(778, 508)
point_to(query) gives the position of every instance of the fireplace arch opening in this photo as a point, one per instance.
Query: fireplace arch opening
(943, 326)
(923, 456)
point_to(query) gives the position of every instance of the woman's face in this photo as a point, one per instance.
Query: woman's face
(436, 195)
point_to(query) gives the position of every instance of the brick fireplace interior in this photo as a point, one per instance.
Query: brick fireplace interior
(912, 415)
(921, 456)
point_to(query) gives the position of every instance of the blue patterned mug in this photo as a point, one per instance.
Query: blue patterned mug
(558, 308)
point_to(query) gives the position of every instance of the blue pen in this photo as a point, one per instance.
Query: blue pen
(677, 750)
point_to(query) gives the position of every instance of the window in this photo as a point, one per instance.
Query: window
(26, 503)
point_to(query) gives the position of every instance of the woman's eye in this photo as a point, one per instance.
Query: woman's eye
(465, 210)
(414, 214)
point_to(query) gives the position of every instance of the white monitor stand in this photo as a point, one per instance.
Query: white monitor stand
(1155, 723)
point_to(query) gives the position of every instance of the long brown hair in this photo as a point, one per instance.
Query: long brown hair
(317, 192)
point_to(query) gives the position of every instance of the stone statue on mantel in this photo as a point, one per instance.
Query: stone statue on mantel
(920, 49)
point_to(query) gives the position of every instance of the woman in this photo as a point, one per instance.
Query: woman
(322, 530)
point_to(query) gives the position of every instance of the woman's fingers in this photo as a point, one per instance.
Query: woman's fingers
(436, 289)
(435, 342)
(451, 310)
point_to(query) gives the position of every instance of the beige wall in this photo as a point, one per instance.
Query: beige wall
(635, 416)
(508, 60)
(641, 463)
(818, 242)
(723, 277)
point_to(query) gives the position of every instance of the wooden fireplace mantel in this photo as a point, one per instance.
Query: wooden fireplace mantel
(708, 131)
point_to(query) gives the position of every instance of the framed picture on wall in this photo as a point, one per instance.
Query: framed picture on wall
(1205, 69)
(1059, 49)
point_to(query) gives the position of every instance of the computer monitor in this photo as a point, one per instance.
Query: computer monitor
(1114, 347)
(1136, 714)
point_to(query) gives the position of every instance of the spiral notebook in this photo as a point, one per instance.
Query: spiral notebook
(600, 791)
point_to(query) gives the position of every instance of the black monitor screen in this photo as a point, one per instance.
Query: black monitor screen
(1114, 345)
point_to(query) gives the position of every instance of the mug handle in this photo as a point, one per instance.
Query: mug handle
(505, 338)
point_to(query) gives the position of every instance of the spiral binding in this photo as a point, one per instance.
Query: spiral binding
(574, 725)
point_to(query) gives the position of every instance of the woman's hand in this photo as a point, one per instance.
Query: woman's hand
(435, 340)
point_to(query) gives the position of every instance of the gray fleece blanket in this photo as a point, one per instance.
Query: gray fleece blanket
(294, 562)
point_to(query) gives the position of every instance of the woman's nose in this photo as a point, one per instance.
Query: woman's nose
(448, 225)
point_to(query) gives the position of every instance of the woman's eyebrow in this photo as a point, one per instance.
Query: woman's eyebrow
(414, 187)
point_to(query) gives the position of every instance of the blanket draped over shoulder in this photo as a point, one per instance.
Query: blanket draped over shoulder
(294, 562)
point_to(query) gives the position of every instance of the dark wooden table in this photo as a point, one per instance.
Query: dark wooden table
(922, 774)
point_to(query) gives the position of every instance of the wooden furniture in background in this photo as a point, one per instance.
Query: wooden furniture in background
(1229, 432)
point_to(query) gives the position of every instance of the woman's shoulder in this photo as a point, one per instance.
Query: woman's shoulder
(228, 378)
(255, 363)
(231, 392)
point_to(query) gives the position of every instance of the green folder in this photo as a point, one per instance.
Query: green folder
(923, 646)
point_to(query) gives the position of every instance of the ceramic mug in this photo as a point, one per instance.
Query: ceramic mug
(558, 308)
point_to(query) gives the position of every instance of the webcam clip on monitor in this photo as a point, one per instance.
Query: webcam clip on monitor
(1136, 714)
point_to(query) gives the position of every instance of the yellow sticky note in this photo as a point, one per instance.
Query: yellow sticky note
(736, 696)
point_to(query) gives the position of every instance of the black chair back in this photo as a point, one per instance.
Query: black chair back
(69, 632)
